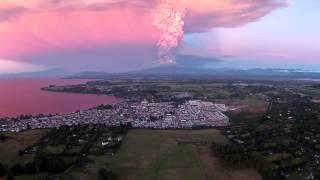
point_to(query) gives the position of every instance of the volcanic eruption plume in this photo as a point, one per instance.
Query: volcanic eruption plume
(169, 19)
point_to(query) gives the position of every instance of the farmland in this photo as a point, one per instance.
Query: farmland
(18, 141)
(166, 155)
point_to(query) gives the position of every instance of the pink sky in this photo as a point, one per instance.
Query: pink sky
(41, 28)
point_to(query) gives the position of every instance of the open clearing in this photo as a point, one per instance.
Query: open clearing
(18, 141)
(144, 155)
(166, 155)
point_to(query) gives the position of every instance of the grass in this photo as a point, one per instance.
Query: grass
(137, 158)
(255, 103)
(155, 154)
(217, 94)
(207, 90)
(177, 156)
(144, 155)
(165, 155)
(18, 141)
(186, 88)
(51, 150)
(180, 174)
(74, 150)
(278, 157)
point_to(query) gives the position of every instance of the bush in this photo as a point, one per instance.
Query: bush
(106, 175)
(2, 171)
(17, 169)
(50, 164)
(3, 137)
(10, 177)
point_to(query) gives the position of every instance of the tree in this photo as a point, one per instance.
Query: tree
(30, 168)
(10, 177)
(2, 170)
(21, 152)
(2, 137)
(17, 169)
(50, 164)
(106, 175)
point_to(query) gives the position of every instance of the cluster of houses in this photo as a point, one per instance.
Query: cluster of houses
(163, 115)
(287, 137)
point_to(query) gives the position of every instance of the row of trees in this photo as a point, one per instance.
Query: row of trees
(47, 165)
(3, 137)
(40, 164)
(59, 163)
(104, 107)
(236, 157)
(2, 170)
(105, 174)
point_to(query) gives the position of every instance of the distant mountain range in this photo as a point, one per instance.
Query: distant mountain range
(56, 72)
(176, 70)
(91, 75)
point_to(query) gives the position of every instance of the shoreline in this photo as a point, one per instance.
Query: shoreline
(26, 96)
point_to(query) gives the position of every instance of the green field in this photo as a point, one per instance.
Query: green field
(255, 102)
(50, 150)
(18, 141)
(144, 155)
(164, 155)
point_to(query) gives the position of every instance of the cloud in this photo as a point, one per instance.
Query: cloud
(207, 14)
(57, 5)
(8, 66)
(202, 15)
(8, 11)
(195, 61)
(46, 31)
(36, 27)
(111, 59)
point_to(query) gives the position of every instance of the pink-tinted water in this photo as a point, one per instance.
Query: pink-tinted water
(23, 96)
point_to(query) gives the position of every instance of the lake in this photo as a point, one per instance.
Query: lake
(23, 96)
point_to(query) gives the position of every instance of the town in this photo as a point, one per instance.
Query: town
(284, 143)
(162, 115)
(271, 127)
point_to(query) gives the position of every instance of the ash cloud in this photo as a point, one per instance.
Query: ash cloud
(67, 24)
(169, 19)
(201, 15)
